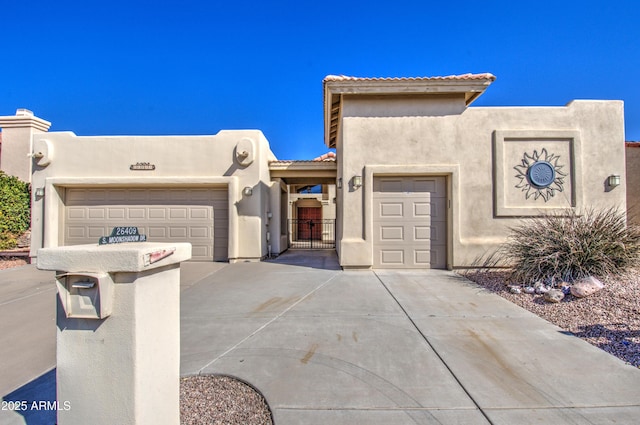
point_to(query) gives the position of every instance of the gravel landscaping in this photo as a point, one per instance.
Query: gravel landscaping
(608, 319)
(211, 399)
(9, 262)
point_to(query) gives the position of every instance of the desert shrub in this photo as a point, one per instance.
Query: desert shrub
(15, 212)
(568, 247)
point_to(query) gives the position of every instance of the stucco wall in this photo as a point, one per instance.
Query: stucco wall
(633, 182)
(461, 144)
(179, 161)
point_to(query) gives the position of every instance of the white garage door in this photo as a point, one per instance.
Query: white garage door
(409, 222)
(196, 215)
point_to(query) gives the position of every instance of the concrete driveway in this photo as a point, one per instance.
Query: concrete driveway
(370, 347)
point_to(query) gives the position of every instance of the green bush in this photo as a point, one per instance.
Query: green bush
(568, 247)
(15, 210)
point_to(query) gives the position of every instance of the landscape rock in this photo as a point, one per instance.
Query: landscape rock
(586, 286)
(542, 289)
(554, 296)
(529, 290)
(514, 290)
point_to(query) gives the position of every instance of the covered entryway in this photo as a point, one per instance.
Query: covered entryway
(199, 216)
(409, 222)
(311, 214)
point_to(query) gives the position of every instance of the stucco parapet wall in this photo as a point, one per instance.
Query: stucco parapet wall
(24, 118)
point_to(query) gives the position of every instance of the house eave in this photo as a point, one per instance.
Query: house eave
(335, 87)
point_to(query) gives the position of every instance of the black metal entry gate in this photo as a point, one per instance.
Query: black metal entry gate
(312, 234)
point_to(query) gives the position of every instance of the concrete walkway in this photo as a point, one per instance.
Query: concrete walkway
(371, 347)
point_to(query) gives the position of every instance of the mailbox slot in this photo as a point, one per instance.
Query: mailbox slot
(86, 295)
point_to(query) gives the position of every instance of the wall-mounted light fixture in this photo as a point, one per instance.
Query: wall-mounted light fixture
(614, 180)
(247, 191)
(357, 182)
(39, 192)
(339, 183)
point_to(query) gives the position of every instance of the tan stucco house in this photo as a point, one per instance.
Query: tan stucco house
(420, 178)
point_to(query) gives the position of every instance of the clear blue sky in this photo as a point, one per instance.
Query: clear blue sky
(196, 67)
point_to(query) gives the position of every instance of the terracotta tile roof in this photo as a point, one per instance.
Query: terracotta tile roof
(483, 76)
(632, 144)
(329, 156)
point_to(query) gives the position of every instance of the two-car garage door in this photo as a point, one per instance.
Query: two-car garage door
(409, 222)
(196, 215)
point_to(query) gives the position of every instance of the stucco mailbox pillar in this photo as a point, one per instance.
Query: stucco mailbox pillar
(118, 336)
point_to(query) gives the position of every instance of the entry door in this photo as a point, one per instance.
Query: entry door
(409, 222)
(309, 223)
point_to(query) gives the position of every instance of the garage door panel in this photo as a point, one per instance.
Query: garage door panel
(116, 213)
(423, 233)
(199, 212)
(156, 232)
(96, 213)
(391, 209)
(423, 185)
(388, 184)
(95, 232)
(178, 213)
(164, 215)
(97, 196)
(136, 213)
(199, 232)
(391, 233)
(201, 251)
(439, 209)
(157, 213)
(389, 257)
(422, 209)
(76, 213)
(422, 257)
(77, 232)
(178, 232)
(409, 222)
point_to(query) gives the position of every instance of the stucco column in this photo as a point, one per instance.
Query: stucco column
(118, 332)
(17, 139)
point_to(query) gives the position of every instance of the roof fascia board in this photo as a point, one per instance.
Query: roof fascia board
(390, 87)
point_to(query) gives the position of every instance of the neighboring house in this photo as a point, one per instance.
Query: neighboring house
(632, 156)
(17, 134)
(419, 178)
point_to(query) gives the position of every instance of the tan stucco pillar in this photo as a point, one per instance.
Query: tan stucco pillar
(17, 135)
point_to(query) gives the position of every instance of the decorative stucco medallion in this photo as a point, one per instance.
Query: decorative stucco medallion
(540, 175)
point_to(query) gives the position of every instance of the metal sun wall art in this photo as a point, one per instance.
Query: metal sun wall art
(540, 175)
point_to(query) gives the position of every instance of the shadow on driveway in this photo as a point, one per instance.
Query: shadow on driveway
(325, 259)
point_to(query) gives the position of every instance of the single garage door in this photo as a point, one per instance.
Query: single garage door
(196, 215)
(409, 222)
